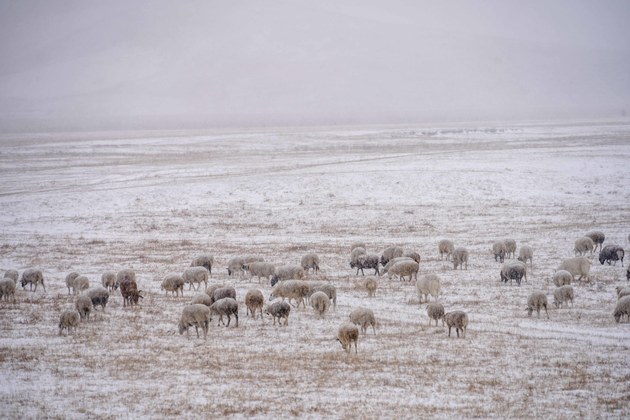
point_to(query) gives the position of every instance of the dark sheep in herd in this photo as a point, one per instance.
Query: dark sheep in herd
(611, 253)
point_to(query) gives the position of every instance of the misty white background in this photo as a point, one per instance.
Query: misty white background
(68, 65)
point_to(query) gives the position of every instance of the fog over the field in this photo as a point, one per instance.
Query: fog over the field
(167, 64)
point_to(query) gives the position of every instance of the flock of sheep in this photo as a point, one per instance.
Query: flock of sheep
(288, 285)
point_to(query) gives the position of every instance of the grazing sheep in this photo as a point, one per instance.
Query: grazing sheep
(279, 310)
(223, 292)
(622, 308)
(561, 295)
(597, 237)
(291, 289)
(460, 258)
(428, 284)
(32, 276)
(81, 283)
(108, 280)
(366, 261)
(174, 283)
(413, 255)
(287, 272)
(611, 253)
(247, 259)
(70, 282)
(69, 319)
(457, 319)
(202, 299)
(583, 245)
(354, 256)
(329, 289)
(577, 266)
(510, 248)
(525, 253)
(197, 275)
(128, 287)
(363, 317)
(203, 260)
(404, 268)
(235, 265)
(226, 306)
(320, 302)
(391, 252)
(348, 333)
(84, 306)
(212, 288)
(254, 301)
(260, 269)
(371, 284)
(562, 278)
(357, 245)
(310, 261)
(622, 291)
(99, 296)
(537, 300)
(7, 289)
(515, 270)
(446, 247)
(499, 249)
(435, 311)
(196, 315)
(13, 275)
(391, 262)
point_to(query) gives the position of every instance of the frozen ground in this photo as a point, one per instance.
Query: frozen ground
(152, 201)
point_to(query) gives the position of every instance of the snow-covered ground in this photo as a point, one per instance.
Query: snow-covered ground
(152, 201)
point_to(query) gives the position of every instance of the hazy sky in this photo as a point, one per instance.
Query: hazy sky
(167, 64)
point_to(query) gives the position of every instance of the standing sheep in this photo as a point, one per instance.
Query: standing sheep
(583, 245)
(446, 247)
(197, 275)
(611, 253)
(320, 303)
(347, 334)
(597, 237)
(84, 306)
(622, 308)
(457, 319)
(7, 289)
(279, 310)
(235, 265)
(371, 284)
(460, 258)
(435, 311)
(223, 292)
(310, 261)
(499, 249)
(561, 295)
(226, 306)
(108, 280)
(260, 269)
(537, 300)
(287, 272)
(510, 248)
(366, 261)
(291, 289)
(254, 301)
(363, 317)
(81, 283)
(404, 268)
(70, 282)
(354, 256)
(128, 287)
(428, 284)
(413, 255)
(13, 275)
(577, 266)
(391, 252)
(32, 276)
(174, 283)
(329, 289)
(386, 267)
(562, 278)
(203, 260)
(203, 299)
(514, 270)
(525, 253)
(99, 296)
(196, 315)
(69, 319)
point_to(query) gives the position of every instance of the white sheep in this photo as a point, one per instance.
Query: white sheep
(428, 284)
(197, 275)
(99, 296)
(386, 267)
(499, 250)
(363, 317)
(223, 292)
(310, 261)
(563, 294)
(622, 308)
(32, 276)
(413, 255)
(577, 266)
(235, 265)
(329, 289)
(457, 319)
(597, 237)
(404, 268)
(391, 252)
(203, 260)
(81, 283)
(108, 280)
(435, 311)
(174, 283)
(320, 302)
(583, 245)
(69, 319)
(537, 300)
(279, 310)
(7, 289)
(84, 305)
(226, 306)
(196, 315)
(460, 258)
(622, 291)
(202, 299)
(357, 245)
(260, 269)
(525, 253)
(370, 284)
(354, 256)
(446, 247)
(562, 278)
(287, 272)
(70, 278)
(510, 248)
(13, 275)
(254, 301)
(291, 289)
(347, 334)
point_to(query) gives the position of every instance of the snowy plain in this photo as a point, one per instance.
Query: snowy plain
(151, 201)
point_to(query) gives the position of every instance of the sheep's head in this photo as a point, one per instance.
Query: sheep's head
(602, 259)
(182, 327)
